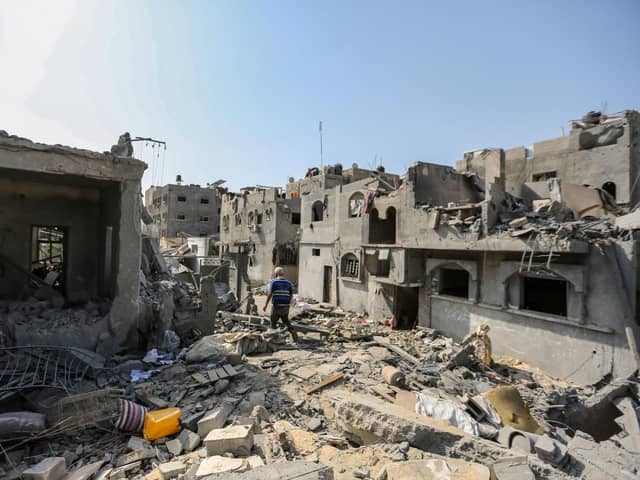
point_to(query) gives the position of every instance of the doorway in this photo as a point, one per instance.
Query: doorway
(49, 255)
(405, 307)
(328, 280)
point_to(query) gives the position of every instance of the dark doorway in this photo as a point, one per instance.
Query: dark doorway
(544, 295)
(317, 211)
(610, 188)
(405, 307)
(49, 255)
(382, 230)
(454, 282)
(328, 280)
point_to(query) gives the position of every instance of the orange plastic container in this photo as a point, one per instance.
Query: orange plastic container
(161, 423)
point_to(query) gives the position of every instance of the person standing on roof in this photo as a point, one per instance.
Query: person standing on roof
(280, 295)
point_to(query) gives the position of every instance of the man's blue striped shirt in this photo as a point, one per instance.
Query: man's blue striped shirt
(281, 291)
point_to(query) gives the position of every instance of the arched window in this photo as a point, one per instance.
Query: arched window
(356, 205)
(317, 211)
(350, 266)
(610, 188)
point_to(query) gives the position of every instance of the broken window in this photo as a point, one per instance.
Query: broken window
(317, 211)
(541, 177)
(204, 200)
(259, 219)
(453, 282)
(350, 266)
(295, 218)
(546, 295)
(204, 219)
(182, 198)
(356, 205)
(49, 254)
(181, 217)
(382, 230)
(284, 255)
(315, 252)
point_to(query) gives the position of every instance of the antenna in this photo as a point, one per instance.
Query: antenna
(321, 158)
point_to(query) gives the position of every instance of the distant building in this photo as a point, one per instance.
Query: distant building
(183, 209)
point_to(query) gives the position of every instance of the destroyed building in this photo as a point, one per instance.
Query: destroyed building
(451, 251)
(259, 230)
(183, 210)
(69, 236)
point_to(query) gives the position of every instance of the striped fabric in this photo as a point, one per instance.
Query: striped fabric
(281, 290)
(131, 417)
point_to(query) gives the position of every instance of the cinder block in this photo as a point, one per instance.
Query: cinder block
(236, 439)
(171, 469)
(52, 468)
(212, 420)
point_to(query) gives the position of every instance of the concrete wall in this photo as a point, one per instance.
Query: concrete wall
(583, 346)
(440, 184)
(573, 163)
(200, 219)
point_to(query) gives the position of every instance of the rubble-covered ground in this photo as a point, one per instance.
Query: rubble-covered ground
(353, 400)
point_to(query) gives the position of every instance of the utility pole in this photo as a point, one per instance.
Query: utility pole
(321, 159)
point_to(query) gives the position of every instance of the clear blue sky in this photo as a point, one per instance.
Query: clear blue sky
(237, 87)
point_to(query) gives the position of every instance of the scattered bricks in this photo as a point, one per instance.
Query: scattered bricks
(174, 446)
(213, 420)
(218, 464)
(52, 468)
(236, 439)
(191, 422)
(512, 468)
(137, 443)
(189, 440)
(135, 456)
(171, 469)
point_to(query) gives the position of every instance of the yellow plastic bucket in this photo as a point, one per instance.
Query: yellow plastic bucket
(161, 423)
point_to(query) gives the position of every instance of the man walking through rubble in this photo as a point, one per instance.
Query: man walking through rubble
(280, 295)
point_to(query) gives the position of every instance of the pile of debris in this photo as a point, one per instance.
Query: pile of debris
(354, 400)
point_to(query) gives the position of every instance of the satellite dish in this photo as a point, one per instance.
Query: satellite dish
(291, 179)
(354, 165)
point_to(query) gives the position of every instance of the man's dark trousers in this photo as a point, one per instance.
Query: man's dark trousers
(281, 312)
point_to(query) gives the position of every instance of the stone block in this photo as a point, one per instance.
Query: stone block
(219, 464)
(189, 440)
(236, 439)
(174, 446)
(171, 470)
(551, 451)
(212, 420)
(52, 468)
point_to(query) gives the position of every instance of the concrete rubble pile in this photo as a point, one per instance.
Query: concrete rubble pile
(354, 400)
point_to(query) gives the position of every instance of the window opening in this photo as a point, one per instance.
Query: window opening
(317, 211)
(350, 266)
(454, 282)
(49, 254)
(356, 205)
(382, 230)
(295, 218)
(204, 219)
(541, 177)
(182, 198)
(610, 188)
(181, 217)
(204, 200)
(544, 295)
(315, 252)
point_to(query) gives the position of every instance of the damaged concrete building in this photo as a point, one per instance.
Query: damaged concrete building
(453, 250)
(70, 244)
(259, 230)
(184, 210)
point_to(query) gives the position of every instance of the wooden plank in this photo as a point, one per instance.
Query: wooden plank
(327, 381)
(213, 376)
(221, 373)
(230, 370)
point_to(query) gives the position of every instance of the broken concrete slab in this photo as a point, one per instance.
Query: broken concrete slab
(512, 468)
(218, 464)
(137, 443)
(436, 469)
(52, 468)
(629, 423)
(268, 447)
(134, 456)
(365, 419)
(236, 439)
(84, 473)
(298, 470)
(174, 446)
(189, 440)
(213, 420)
(551, 451)
(604, 460)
